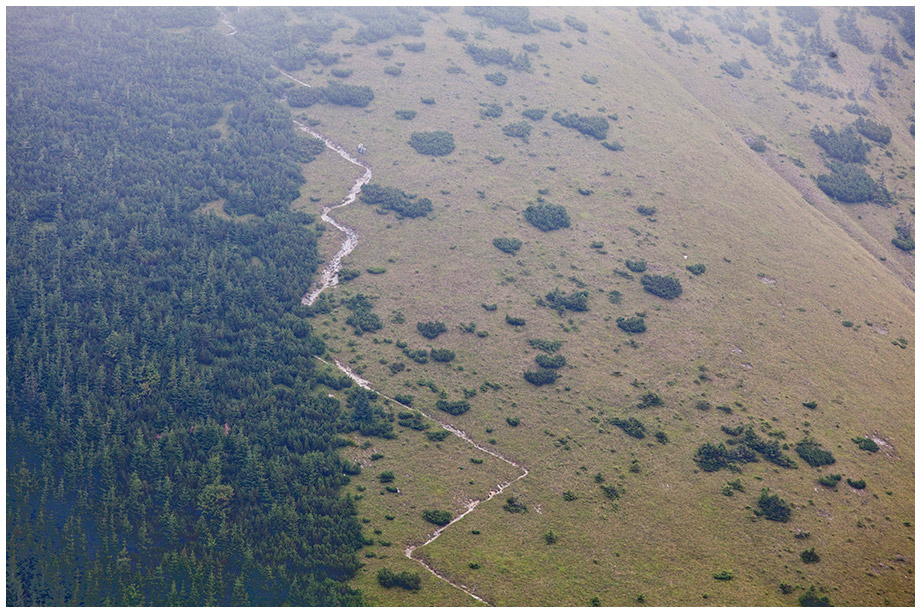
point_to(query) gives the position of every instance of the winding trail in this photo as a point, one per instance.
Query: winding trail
(470, 506)
(329, 278)
(330, 275)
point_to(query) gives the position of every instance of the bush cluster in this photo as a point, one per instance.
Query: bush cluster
(872, 130)
(560, 301)
(849, 183)
(636, 265)
(361, 318)
(830, 480)
(633, 325)
(396, 200)
(437, 436)
(498, 78)
(483, 55)
(733, 68)
(575, 23)
(406, 580)
(514, 321)
(594, 125)
(550, 361)
(508, 245)
(490, 110)
(534, 114)
(414, 47)
(810, 451)
(540, 377)
(845, 146)
(512, 18)
(518, 129)
(697, 269)
(663, 287)
(454, 407)
(547, 217)
(405, 115)
(348, 95)
(436, 143)
(773, 507)
(548, 24)
(437, 516)
(631, 426)
(543, 345)
(442, 355)
(431, 329)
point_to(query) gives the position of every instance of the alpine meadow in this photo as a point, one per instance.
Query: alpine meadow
(445, 306)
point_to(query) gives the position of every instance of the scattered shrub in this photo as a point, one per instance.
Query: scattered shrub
(811, 599)
(810, 405)
(648, 211)
(348, 95)
(442, 355)
(809, 556)
(482, 55)
(560, 301)
(697, 269)
(547, 217)
(649, 18)
(393, 71)
(514, 505)
(406, 115)
(575, 23)
(663, 287)
(550, 361)
(550, 537)
(541, 377)
(703, 405)
(515, 321)
(590, 80)
(610, 492)
(490, 307)
(376, 270)
(758, 144)
(773, 507)
(437, 517)
(661, 437)
(810, 451)
(633, 325)
(457, 34)
(631, 426)
(548, 24)
(386, 476)
(650, 399)
(437, 436)
(759, 35)
(508, 245)
(385, 52)
(858, 484)
(431, 329)
(830, 480)
(682, 35)
(436, 143)
(723, 575)
(490, 110)
(873, 130)
(427, 100)
(414, 47)
(866, 444)
(733, 68)
(547, 346)
(496, 159)
(614, 296)
(406, 580)
(394, 199)
(361, 318)
(614, 146)
(405, 399)
(304, 97)
(514, 422)
(518, 129)
(569, 496)
(636, 265)
(845, 146)
(341, 73)
(497, 78)
(455, 407)
(594, 125)
(534, 114)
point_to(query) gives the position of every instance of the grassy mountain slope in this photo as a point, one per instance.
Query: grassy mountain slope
(761, 332)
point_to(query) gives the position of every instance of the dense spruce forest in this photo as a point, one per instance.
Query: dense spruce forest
(165, 444)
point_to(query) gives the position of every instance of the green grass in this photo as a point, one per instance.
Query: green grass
(768, 252)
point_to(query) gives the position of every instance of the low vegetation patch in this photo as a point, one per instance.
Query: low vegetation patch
(631, 426)
(394, 199)
(431, 329)
(696, 269)
(560, 301)
(636, 265)
(540, 377)
(663, 287)
(595, 125)
(866, 444)
(498, 78)
(454, 407)
(437, 516)
(437, 143)
(547, 217)
(810, 451)
(550, 361)
(534, 114)
(518, 129)
(633, 325)
(508, 245)
(773, 507)
(406, 580)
